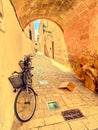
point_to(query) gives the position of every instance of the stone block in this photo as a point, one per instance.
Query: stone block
(53, 119)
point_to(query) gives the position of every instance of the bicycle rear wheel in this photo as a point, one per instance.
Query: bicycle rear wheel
(25, 104)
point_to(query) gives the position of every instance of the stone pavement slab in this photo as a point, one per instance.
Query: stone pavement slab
(62, 126)
(77, 125)
(53, 119)
(33, 124)
(50, 127)
(91, 122)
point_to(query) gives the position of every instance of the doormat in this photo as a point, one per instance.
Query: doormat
(52, 105)
(72, 114)
(42, 82)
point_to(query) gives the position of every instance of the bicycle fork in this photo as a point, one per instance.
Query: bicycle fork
(27, 96)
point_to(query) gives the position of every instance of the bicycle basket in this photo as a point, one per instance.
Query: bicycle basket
(16, 81)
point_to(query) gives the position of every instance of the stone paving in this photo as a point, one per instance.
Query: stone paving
(81, 97)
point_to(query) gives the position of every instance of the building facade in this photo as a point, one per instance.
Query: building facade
(51, 41)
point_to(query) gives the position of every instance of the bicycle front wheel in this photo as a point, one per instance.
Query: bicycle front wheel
(25, 104)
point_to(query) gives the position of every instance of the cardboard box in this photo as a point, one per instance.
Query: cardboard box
(67, 85)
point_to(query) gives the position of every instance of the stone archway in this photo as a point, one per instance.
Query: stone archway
(28, 10)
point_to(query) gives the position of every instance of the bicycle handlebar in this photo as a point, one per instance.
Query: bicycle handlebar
(26, 65)
(28, 58)
(15, 72)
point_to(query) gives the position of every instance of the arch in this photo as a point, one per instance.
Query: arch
(44, 18)
(28, 10)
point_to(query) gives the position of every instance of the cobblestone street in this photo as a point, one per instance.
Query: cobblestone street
(47, 78)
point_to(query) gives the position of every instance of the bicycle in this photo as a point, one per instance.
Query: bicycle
(25, 101)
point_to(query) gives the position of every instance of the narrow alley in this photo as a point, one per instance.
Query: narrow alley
(67, 39)
(47, 78)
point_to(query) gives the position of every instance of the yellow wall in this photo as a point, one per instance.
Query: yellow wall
(13, 46)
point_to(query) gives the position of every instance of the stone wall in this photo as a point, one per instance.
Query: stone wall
(81, 36)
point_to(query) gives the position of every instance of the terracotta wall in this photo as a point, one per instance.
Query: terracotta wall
(81, 36)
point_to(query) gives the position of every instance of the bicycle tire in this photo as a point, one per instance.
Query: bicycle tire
(20, 104)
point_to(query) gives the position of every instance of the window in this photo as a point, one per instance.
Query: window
(30, 34)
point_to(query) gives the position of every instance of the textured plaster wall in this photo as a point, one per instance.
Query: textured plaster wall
(12, 48)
